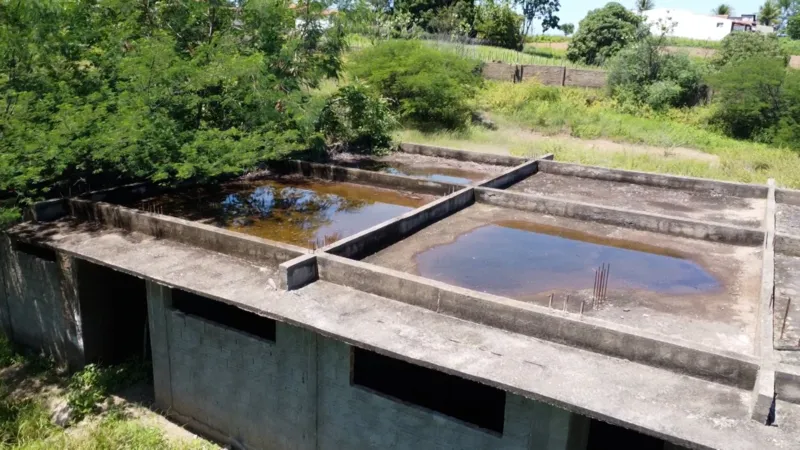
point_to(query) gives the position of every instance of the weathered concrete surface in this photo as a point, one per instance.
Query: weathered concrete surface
(386, 180)
(519, 317)
(656, 179)
(786, 320)
(622, 217)
(702, 205)
(678, 408)
(787, 244)
(787, 196)
(382, 235)
(585, 78)
(212, 238)
(298, 272)
(724, 319)
(787, 383)
(547, 75)
(461, 155)
(511, 176)
(788, 219)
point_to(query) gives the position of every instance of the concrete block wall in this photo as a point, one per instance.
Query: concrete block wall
(39, 304)
(296, 393)
(547, 75)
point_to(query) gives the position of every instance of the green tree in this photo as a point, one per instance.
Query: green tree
(793, 27)
(602, 34)
(98, 92)
(543, 10)
(427, 88)
(567, 28)
(722, 10)
(425, 12)
(742, 45)
(769, 13)
(499, 24)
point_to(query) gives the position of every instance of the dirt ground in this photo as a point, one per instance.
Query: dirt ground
(709, 207)
(723, 319)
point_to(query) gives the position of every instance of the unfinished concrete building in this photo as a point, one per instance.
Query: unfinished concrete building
(432, 299)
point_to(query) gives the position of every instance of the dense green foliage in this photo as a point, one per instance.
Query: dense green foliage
(769, 13)
(759, 99)
(567, 28)
(427, 88)
(499, 24)
(602, 34)
(355, 121)
(643, 73)
(97, 92)
(741, 45)
(793, 27)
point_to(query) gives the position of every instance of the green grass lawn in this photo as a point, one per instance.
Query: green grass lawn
(587, 114)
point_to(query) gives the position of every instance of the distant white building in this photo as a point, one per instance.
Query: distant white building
(698, 26)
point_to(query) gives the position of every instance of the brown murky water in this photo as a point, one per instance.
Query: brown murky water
(440, 174)
(308, 213)
(521, 259)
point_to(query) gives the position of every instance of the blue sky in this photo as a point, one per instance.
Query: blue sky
(572, 11)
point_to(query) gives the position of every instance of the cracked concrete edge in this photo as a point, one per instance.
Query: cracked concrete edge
(461, 155)
(250, 248)
(366, 177)
(655, 179)
(297, 272)
(393, 230)
(657, 223)
(532, 320)
(764, 391)
(787, 196)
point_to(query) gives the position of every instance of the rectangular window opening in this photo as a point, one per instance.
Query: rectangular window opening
(45, 253)
(223, 314)
(462, 399)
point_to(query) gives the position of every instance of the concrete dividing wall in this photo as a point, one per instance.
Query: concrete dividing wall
(547, 75)
(500, 71)
(296, 393)
(39, 309)
(655, 179)
(512, 176)
(371, 240)
(461, 155)
(787, 196)
(212, 238)
(619, 217)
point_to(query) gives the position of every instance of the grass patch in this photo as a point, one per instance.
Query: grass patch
(590, 114)
(493, 54)
(687, 42)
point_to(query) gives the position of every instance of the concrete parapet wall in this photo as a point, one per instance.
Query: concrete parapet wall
(239, 245)
(499, 71)
(629, 219)
(386, 180)
(547, 75)
(461, 155)
(512, 176)
(787, 244)
(380, 236)
(532, 320)
(787, 383)
(787, 196)
(585, 78)
(298, 272)
(654, 179)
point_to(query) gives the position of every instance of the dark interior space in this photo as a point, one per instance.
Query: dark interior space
(604, 436)
(223, 314)
(47, 254)
(113, 309)
(466, 400)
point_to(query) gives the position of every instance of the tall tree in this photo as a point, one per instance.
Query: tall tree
(722, 10)
(769, 13)
(544, 10)
(567, 28)
(603, 33)
(644, 5)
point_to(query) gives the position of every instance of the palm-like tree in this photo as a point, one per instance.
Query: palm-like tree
(644, 5)
(769, 13)
(722, 10)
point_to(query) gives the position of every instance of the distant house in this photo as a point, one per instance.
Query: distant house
(688, 24)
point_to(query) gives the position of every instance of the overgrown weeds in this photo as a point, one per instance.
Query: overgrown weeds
(91, 386)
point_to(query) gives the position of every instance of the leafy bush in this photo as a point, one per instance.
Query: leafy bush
(759, 99)
(353, 120)
(499, 24)
(645, 74)
(602, 34)
(741, 45)
(426, 87)
(793, 27)
(89, 387)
